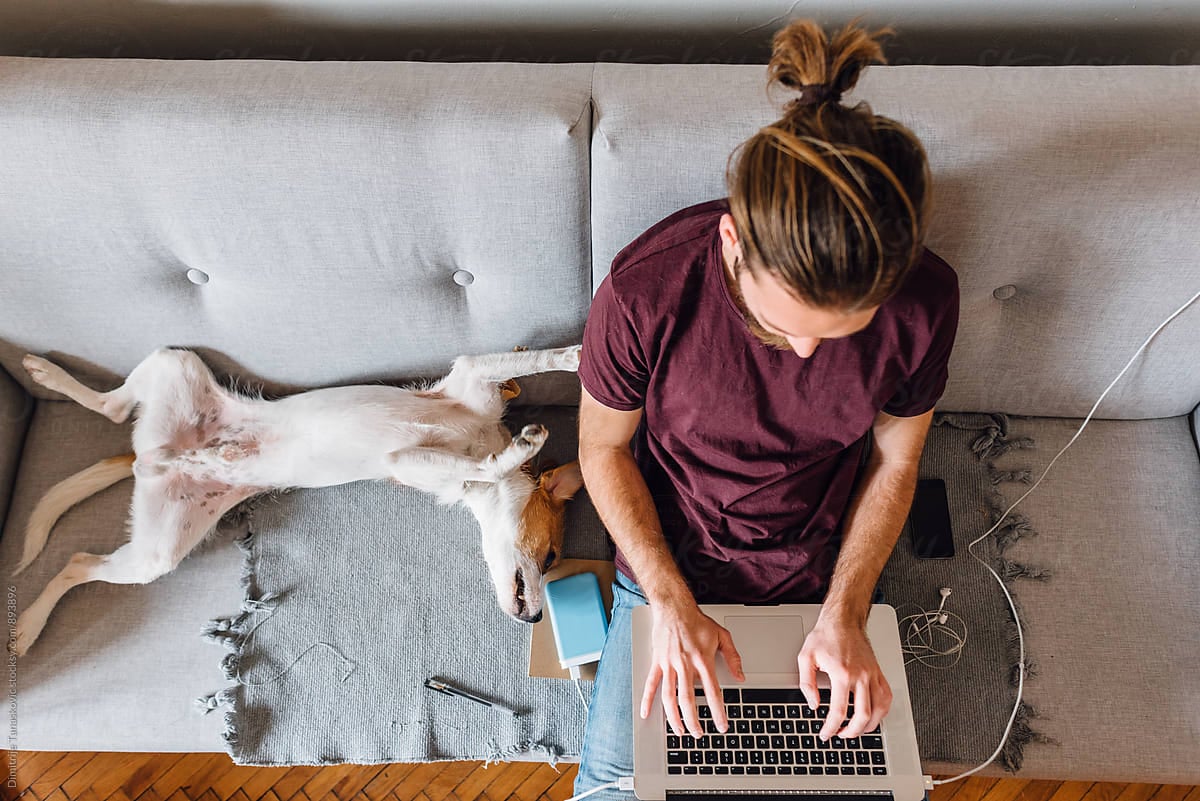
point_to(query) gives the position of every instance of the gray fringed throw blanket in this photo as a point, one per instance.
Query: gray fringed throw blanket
(356, 594)
(961, 711)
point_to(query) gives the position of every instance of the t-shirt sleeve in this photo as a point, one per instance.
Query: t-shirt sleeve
(920, 392)
(612, 364)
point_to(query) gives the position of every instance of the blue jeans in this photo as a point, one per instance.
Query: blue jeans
(607, 753)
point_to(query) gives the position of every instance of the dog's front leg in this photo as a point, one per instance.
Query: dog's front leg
(503, 366)
(479, 381)
(432, 468)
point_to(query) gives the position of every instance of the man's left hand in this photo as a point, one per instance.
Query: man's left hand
(842, 651)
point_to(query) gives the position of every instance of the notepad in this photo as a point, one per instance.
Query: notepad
(577, 617)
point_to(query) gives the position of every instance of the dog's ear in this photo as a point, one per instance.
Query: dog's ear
(562, 482)
(509, 389)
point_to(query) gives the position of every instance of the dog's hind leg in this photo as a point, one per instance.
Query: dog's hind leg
(162, 368)
(168, 521)
(122, 566)
(65, 494)
(115, 405)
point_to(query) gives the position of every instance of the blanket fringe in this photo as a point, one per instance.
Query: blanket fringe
(1012, 756)
(996, 476)
(994, 441)
(1011, 570)
(232, 632)
(505, 754)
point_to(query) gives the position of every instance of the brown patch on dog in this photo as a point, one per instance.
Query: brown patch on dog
(541, 528)
(541, 532)
(431, 394)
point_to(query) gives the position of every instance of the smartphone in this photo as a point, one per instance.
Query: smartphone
(929, 521)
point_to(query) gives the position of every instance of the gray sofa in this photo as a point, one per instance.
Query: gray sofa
(309, 224)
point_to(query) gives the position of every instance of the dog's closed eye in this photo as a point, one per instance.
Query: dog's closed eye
(550, 557)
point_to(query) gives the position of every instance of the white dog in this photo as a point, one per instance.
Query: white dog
(200, 449)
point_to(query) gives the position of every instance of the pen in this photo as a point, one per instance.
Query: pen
(447, 689)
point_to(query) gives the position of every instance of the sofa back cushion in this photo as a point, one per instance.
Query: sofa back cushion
(299, 224)
(1065, 197)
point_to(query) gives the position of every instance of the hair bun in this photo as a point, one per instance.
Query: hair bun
(803, 58)
(814, 93)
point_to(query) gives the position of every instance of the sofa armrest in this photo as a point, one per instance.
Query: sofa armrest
(16, 408)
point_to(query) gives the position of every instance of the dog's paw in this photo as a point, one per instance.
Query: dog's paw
(531, 436)
(38, 368)
(22, 639)
(570, 358)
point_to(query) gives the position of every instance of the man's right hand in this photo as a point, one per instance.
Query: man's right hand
(685, 643)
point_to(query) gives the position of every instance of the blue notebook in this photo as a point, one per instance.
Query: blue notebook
(577, 617)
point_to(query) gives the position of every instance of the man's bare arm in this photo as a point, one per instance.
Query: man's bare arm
(838, 644)
(622, 500)
(685, 640)
(875, 515)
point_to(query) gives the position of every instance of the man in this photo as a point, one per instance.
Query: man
(737, 361)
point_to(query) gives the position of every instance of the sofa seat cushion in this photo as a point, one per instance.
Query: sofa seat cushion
(1112, 629)
(118, 666)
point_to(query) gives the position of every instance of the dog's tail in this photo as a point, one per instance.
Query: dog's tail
(65, 494)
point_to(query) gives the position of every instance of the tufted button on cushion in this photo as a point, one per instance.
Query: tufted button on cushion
(463, 278)
(197, 276)
(1004, 292)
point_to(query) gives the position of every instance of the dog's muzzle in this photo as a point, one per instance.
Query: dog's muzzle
(522, 611)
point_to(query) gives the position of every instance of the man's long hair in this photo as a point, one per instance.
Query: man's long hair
(831, 200)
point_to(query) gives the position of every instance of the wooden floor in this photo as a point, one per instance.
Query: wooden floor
(56, 776)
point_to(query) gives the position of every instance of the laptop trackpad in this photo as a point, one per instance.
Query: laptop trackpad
(767, 644)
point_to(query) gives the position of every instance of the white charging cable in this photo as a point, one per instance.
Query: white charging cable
(1020, 636)
(625, 783)
(575, 677)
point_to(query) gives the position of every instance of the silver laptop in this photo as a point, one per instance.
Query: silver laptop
(776, 751)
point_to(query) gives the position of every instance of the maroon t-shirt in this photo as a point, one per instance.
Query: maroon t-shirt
(751, 453)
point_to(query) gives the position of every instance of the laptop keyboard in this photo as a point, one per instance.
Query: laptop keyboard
(772, 732)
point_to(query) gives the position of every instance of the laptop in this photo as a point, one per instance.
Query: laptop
(771, 746)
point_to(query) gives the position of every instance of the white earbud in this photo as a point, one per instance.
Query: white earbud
(945, 593)
(928, 640)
